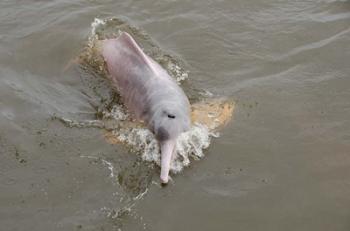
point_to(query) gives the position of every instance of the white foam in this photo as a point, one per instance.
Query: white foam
(95, 24)
(116, 113)
(104, 162)
(178, 73)
(93, 35)
(189, 144)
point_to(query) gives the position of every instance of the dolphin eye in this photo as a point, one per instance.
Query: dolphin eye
(171, 116)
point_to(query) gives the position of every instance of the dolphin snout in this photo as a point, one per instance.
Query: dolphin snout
(166, 148)
(164, 179)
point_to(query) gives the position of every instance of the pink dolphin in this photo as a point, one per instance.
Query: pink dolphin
(149, 93)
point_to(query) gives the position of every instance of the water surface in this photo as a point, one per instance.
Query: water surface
(283, 163)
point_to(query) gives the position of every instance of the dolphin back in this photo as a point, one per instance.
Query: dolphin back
(143, 84)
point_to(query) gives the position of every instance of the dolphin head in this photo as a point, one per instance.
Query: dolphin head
(168, 123)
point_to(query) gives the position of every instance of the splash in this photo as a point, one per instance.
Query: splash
(97, 23)
(189, 144)
(208, 117)
(117, 122)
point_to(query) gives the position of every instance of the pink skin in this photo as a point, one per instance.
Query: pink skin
(149, 93)
(167, 150)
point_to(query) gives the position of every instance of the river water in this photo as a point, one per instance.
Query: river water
(282, 163)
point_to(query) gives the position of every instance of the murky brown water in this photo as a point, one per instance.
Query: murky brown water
(283, 163)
